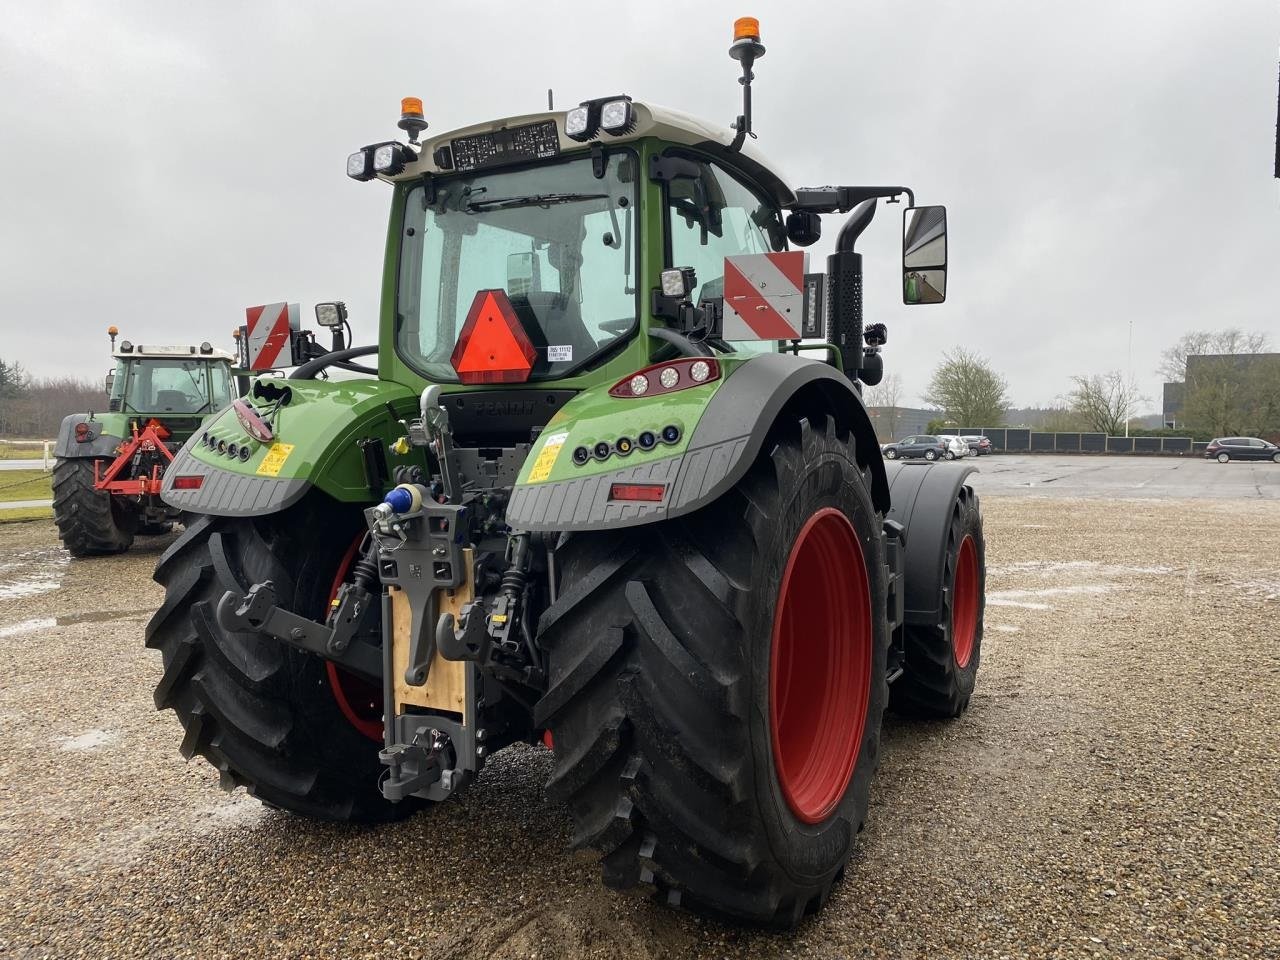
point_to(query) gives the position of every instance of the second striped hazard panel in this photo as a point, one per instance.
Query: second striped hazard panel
(764, 296)
(267, 335)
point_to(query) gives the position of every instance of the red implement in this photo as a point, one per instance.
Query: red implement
(147, 449)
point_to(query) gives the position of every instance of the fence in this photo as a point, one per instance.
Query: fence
(1022, 440)
(45, 445)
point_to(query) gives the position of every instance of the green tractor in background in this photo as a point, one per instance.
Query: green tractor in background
(109, 468)
(612, 488)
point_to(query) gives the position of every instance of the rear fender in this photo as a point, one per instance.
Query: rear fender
(922, 495)
(107, 431)
(315, 446)
(725, 435)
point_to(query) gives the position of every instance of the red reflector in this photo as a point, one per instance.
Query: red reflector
(82, 432)
(187, 483)
(493, 347)
(650, 492)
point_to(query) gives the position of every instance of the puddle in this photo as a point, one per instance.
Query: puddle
(1076, 566)
(26, 626)
(89, 740)
(996, 601)
(99, 616)
(33, 573)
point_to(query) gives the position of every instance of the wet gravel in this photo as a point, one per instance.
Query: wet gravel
(1113, 792)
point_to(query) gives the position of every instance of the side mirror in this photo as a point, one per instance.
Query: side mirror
(924, 255)
(111, 382)
(804, 228)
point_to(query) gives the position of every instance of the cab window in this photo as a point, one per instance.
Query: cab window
(714, 216)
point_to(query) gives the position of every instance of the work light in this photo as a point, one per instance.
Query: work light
(577, 123)
(617, 117)
(388, 159)
(360, 165)
(331, 314)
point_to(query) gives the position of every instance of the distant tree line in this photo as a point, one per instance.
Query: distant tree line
(33, 408)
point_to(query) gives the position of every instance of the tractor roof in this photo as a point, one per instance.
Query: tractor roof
(650, 121)
(170, 351)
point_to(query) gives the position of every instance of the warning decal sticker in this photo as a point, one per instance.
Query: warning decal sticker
(274, 460)
(547, 458)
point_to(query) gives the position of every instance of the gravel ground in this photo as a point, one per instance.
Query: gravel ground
(1113, 792)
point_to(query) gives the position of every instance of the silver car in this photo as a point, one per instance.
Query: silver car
(956, 448)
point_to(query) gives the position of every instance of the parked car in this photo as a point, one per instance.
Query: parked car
(1241, 448)
(924, 445)
(978, 446)
(956, 448)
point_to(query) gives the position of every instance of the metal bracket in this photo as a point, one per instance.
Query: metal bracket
(258, 612)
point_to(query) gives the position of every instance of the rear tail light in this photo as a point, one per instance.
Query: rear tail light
(83, 433)
(253, 424)
(188, 483)
(667, 377)
(645, 492)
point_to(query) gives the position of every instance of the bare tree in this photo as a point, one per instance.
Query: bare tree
(887, 397)
(1173, 361)
(1104, 402)
(968, 391)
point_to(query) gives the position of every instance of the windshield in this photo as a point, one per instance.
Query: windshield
(171, 386)
(557, 239)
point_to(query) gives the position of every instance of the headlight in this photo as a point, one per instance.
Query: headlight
(388, 159)
(577, 123)
(360, 166)
(617, 117)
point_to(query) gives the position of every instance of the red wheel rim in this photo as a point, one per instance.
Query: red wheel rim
(964, 602)
(820, 666)
(358, 699)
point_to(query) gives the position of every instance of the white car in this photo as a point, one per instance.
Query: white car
(956, 448)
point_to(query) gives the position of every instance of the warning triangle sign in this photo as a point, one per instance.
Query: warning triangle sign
(493, 347)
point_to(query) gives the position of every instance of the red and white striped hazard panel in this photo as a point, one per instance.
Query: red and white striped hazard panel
(764, 295)
(267, 334)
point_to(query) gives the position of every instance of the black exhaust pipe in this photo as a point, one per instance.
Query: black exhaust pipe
(844, 290)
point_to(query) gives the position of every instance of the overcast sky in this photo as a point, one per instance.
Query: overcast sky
(167, 164)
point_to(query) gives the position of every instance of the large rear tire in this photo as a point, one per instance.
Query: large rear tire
(89, 521)
(941, 662)
(717, 684)
(267, 715)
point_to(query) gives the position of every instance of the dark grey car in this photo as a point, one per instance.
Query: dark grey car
(923, 445)
(1241, 448)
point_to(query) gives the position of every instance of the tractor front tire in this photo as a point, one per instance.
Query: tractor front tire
(717, 684)
(89, 521)
(270, 717)
(941, 660)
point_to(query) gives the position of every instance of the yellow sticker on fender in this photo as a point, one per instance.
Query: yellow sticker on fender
(274, 460)
(547, 458)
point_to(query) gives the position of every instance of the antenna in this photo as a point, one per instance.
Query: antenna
(551, 99)
(746, 49)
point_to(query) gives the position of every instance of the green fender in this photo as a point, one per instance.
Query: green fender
(723, 429)
(315, 445)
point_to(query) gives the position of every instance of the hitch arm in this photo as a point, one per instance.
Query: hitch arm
(257, 612)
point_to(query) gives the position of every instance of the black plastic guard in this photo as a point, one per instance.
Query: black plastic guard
(922, 495)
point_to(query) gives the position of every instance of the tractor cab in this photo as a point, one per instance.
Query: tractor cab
(183, 384)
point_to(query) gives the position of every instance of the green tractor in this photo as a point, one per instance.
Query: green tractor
(110, 466)
(612, 489)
